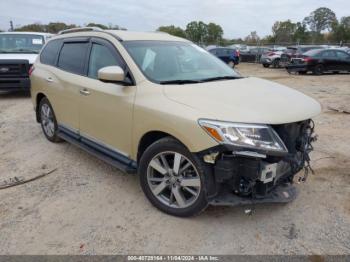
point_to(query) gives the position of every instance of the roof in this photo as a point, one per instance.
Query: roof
(27, 33)
(130, 35)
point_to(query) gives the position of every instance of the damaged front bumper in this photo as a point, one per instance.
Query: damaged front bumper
(236, 176)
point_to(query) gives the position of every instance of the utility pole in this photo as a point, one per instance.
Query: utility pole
(11, 26)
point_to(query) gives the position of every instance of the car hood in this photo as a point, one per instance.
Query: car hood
(245, 100)
(30, 57)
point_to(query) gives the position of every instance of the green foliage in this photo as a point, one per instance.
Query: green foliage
(49, 28)
(97, 25)
(197, 32)
(215, 34)
(321, 19)
(341, 30)
(172, 30)
(283, 31)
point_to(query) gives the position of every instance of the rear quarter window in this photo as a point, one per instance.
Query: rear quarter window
(49, 54)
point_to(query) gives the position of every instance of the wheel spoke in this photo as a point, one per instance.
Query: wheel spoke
(190, 190)
(159, 188)
(165, 162)
(180, 199)
(187, 165)
(157, 166)
(193, 182)
(156, 179)
(177, 162)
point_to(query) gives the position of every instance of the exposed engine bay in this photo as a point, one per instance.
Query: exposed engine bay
(245, 176)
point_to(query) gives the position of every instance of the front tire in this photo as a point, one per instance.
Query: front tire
(48, 120)
(172, 178)
(266, 65)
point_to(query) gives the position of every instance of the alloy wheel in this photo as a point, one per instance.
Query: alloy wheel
(173, 179)
(47, 120)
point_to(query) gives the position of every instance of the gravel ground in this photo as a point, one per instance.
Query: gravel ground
(89, 207)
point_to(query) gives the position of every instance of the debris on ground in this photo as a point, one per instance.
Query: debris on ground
(15, 181)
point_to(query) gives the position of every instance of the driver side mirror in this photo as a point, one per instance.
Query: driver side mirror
(111, 74)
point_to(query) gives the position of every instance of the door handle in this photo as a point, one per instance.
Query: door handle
(84, 92)
(49, 79)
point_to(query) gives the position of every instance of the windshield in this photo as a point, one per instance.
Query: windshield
(170, 61)
(20, 43)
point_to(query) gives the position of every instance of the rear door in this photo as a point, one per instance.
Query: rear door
(105, 109)
(69, 76)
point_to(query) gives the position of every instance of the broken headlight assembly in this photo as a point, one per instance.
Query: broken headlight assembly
(249, 136)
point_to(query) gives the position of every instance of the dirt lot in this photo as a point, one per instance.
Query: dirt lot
(89, 207)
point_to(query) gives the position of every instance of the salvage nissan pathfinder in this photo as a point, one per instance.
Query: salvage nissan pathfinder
(194, 130)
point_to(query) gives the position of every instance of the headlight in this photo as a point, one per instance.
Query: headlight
(244, 135)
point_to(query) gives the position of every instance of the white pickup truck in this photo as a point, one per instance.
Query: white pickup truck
(18, 51)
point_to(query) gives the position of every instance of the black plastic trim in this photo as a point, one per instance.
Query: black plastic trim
(113, 158)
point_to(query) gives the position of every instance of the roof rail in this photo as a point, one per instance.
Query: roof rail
(79, 29)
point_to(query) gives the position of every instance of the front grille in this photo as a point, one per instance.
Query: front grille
(14, 68)
(292, 134)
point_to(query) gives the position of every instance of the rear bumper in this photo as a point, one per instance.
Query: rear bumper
(298, 68)
(14, 84)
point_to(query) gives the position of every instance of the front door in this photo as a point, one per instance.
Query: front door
(105, 109)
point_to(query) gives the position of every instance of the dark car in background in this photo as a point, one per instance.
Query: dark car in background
(295, 52)
(229, 55)
(319, 61)
(254, 54)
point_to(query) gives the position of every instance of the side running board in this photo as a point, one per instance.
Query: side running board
(119, 161)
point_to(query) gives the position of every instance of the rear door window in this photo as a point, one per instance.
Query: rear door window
(101, 56)
(49, 55)
(328, 54)
(72, 57)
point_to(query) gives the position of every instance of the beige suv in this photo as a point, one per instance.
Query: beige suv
(194, 130)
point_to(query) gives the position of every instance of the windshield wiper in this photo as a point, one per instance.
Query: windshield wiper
(220, 78)
(179, 82)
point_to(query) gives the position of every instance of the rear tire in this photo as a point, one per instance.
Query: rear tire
(166, 181)
(266, 65)
(318, 70)
(302, 72)
(48, 120)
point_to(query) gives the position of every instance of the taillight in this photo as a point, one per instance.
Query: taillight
(307, 59)
(31, 69)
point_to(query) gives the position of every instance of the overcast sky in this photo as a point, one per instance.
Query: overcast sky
(237, 17)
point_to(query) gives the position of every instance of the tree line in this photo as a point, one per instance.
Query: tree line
(320, 26)
(54, 28)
